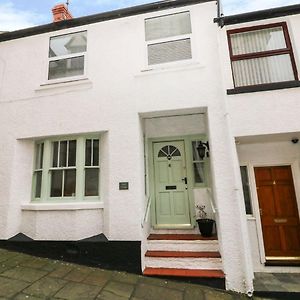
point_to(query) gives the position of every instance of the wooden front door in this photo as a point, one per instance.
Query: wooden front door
(279, 212)
(170, 180)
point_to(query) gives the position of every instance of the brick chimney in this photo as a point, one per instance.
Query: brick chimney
(60, 12)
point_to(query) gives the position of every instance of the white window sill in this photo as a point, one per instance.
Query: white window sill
(191, 65)
(67, 82)
(63, 206)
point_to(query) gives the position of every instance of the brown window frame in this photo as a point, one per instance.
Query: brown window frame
(288, 50)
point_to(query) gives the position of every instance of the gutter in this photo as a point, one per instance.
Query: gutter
(257, 15)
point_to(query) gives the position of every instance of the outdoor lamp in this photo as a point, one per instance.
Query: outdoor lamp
(203, 148)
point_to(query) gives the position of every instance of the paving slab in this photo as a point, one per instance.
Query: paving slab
(24, 274)
(75, 290)
(78, 274)
(10, 287)
(150, 292)
(45, 287)
(119, 289)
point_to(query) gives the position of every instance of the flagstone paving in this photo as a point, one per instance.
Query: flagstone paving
(28, 277)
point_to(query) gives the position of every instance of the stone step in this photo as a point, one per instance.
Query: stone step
(184, 254)
(180, 237)
(183, 245)
(197, 263)
(207, 273)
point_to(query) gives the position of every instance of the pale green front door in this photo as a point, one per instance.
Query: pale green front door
(170, 185)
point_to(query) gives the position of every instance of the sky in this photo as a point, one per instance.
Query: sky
(18, 14)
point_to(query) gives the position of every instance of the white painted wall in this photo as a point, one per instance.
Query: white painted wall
(118, 89)
(263, 112)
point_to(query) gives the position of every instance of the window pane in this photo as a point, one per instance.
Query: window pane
(196, 156)
(169, 51)
(38, 184)
(67, 44)
(63, 154)
(166, 26)
(91, 182)
(258, 41)
(39, 156)
(56, 183)
(263, 70)
(95, 152)
(55, 154)
(88, 152)
(199, 172)
(70, 183)
(72, 153)
(246, 190)
(66, 67)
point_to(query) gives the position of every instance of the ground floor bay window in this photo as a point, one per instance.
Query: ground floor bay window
(66, 170)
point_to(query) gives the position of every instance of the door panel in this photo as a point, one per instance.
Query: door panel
(171, 194)
(279, 211)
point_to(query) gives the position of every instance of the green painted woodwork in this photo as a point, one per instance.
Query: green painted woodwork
(80, 169)
(171, 205)
(191, 185)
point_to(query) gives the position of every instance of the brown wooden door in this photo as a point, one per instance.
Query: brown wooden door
(279, 211)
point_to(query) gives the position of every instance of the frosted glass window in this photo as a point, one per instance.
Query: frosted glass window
(261, 55)
(169, 51)
(198, 164)
(168, 38)
(167, 26)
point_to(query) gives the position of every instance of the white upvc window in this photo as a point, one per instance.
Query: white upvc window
(67, 55)
(66, 170)
(168, 38)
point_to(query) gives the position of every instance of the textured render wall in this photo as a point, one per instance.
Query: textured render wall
(117, 89)
(62, 225)
(262, 154)
(277, 111)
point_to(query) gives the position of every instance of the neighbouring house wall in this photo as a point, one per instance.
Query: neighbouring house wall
(263, 112)
(264, 154)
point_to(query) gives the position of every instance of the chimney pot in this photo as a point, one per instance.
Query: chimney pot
(60, 12)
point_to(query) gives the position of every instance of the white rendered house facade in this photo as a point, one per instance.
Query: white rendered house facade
(101, 122)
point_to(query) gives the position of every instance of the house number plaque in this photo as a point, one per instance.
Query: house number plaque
(123, 186)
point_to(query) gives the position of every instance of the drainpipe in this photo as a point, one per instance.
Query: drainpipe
(220, 16)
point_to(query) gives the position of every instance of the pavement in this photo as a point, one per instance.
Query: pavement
(23, 276)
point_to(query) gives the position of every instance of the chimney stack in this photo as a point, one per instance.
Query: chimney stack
(60, 12)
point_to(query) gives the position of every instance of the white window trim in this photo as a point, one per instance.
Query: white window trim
(80, 173)
(177, 63)
(72, 55)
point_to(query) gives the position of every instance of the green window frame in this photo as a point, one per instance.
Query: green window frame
(66, 170)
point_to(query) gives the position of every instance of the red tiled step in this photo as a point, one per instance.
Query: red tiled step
(187, 254)
(183, 272)
(180, 237)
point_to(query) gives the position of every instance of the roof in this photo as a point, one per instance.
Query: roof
(259, 15)
(101, 17)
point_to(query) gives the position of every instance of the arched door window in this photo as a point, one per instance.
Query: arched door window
(169, 151)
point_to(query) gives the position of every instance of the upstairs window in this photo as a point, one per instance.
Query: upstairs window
(168, 38)
(261, 55)
(67, 55)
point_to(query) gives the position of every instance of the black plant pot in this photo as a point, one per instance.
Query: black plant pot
(206, 227)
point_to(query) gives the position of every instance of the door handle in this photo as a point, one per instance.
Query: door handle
(184, 179)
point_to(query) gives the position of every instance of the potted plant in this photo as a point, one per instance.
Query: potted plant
(205, 224)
